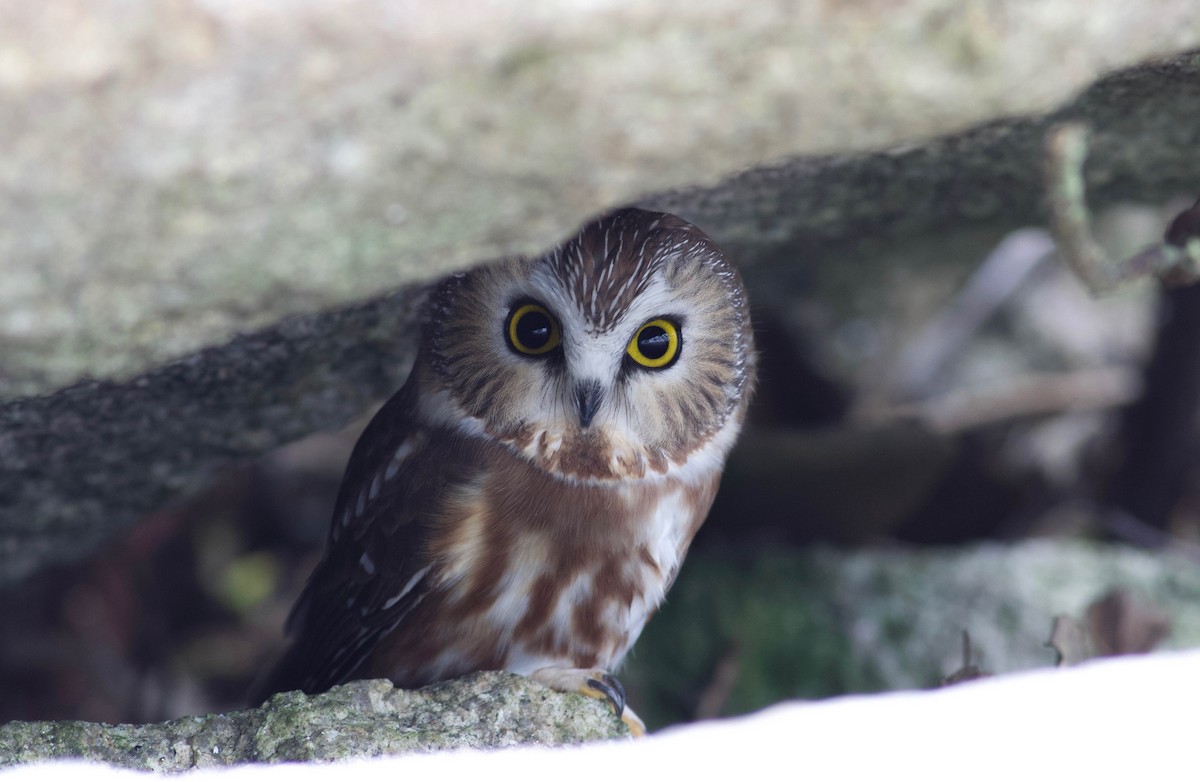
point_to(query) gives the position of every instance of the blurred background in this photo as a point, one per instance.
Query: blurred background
(951, 434)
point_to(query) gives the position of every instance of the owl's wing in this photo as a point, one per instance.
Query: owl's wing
(374, 571)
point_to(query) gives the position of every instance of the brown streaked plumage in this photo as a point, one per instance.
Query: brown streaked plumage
(526, 500)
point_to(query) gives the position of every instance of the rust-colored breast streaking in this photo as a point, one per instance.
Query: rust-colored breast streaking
(531, 573)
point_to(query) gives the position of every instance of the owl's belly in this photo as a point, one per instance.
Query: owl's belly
(520, 589)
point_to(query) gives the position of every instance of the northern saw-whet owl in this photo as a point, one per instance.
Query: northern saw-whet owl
(524, 502)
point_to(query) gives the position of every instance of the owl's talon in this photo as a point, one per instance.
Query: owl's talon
(610, 688)
(607, 687)
(593, 684)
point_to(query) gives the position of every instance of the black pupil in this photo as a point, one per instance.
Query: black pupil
(533, 330)
(653, 342)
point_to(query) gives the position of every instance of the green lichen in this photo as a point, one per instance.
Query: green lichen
(361, 719)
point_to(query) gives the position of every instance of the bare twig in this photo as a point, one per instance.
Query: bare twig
(1066, 149)
(1176, 260)
(969, 670)
(1030, 396)
(1005, 270)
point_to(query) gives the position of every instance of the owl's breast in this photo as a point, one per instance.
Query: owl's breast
(612, 454)
(591, 569)
(534, 571)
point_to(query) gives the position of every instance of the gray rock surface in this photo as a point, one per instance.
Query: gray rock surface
(180, 173)
(79, 464)
(176, 173)
(361, 719)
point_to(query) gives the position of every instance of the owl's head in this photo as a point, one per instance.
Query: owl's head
(625, 352)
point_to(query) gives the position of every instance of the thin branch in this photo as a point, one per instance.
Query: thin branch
(1176, 260)
(1030, 396)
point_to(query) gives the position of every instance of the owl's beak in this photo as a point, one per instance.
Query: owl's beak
(589, 394)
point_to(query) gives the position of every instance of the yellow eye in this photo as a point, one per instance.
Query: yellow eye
(532, 330)
(656, 344)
